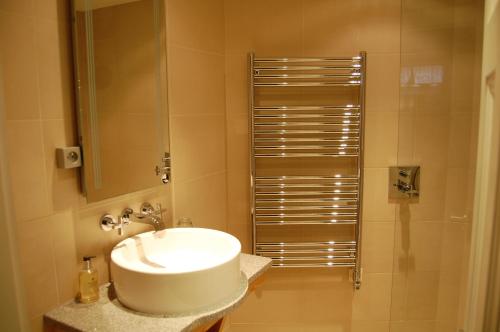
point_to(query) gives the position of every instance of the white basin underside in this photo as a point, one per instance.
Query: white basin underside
(176, 270)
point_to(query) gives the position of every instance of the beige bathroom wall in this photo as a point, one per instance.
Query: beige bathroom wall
(55, 225)
(196, 84)
(318, 300)
(440, 66)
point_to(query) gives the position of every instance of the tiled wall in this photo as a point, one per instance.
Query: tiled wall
(197, 110)
(208, 43)
(307, 300)
(56, 226)
(441, 43)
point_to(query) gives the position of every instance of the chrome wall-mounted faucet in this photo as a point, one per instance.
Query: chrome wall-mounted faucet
(404, 182)
(147, 215)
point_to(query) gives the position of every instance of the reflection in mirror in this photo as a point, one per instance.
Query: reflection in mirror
(120, 72)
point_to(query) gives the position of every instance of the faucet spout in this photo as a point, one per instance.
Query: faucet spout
(147, 215)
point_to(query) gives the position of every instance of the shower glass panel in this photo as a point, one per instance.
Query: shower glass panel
(439, 105)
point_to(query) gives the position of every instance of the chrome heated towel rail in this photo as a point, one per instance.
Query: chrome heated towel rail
(306, 125)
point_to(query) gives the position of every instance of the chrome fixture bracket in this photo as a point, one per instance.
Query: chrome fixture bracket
(404, 182)
(165, 169)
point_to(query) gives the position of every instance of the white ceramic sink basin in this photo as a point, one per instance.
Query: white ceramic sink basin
(177, 270)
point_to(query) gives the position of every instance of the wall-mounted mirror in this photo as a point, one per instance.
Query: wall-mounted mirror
(121, 86)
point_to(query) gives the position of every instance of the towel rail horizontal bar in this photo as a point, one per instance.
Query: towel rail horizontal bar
(304, 215)
(305, 84)
(331, 258)
(305, 222)
(305, 208)
(313, 265)
(349, 148)
(305, 201)
(307, 193)
(303, 140)
(304, 155)
(306, 116)
(351, 67)
(306, 185)
(314, 222)
(306, 251)
(308, 243)
(304, 131)
(293, 123)
(338, 177)
(319, 59)
(306, 76)
(307, 108)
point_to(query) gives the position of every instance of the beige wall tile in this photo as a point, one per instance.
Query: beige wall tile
(36, 252)
(277, 301)
(382, 82)
(422, 295)
(23, 7)
(372, 301)
(329, 28)
(53, 54)
(196, 24)
(376, 205)
(65, 255)
(52, 9)
(378, 247)
(203, 200)
(27, 169)
(265, 328)
(379, 22)
(197, 82)
(255, 25)
(198, 145)
(371, 326)
(413, 326)
(236, 83)
(381, 139)
(20, 72)
(414, 254)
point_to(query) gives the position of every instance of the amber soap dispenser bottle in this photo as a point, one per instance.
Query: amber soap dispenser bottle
(88, 282)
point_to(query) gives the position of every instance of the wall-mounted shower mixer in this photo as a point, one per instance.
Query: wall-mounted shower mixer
(404, 182)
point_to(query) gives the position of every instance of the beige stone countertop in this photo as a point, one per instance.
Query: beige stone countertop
(109, 315)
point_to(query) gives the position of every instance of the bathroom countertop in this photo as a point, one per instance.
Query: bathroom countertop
(109, 315)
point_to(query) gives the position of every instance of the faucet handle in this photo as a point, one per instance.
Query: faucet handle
(108, 222)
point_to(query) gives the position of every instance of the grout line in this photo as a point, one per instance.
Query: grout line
(196, 50)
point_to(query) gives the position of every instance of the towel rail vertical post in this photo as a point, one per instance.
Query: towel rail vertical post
(252, 150)
(362, 96)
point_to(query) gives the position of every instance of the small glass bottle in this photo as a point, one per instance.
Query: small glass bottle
(184, 222)
(88, 282)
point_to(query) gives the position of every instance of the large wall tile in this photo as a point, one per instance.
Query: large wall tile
(19, 67)
(36, 252)
(55, 79)
(198, 145)
(376, 204)
(196, 24)
(196, 82)
(381, 139)
(372, 301)
(378, 247)
(27, 169)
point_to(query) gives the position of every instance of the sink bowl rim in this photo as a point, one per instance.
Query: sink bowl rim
(119, 262)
